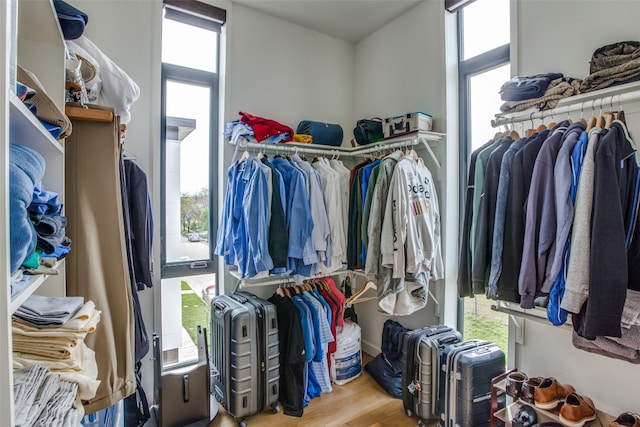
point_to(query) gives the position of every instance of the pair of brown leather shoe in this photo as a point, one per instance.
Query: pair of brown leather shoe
(627, 419)
(549, 393)
(576, 409)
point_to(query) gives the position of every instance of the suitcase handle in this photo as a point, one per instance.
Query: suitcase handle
(240, 298)
(219, 306)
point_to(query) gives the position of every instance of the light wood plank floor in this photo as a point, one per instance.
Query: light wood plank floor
(360, 403)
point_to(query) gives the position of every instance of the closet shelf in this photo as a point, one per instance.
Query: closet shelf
(27, 130)
(34, 282)
(608, 98)
(92, 113)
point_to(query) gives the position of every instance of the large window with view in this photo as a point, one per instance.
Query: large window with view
(190, 49)
(484, 65)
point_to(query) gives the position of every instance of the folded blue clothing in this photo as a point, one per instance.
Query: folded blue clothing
(26, 168)
(534, 86)
(45, 202)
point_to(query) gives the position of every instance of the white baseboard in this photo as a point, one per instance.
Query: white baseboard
(370, 349)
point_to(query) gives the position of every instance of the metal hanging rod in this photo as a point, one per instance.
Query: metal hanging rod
(611, 97)
(422, 138)
(537, 315)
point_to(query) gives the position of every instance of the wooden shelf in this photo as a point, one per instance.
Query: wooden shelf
(91, 113)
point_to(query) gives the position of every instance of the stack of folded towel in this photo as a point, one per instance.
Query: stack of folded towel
(613, 64)
(539, 91)
(43, 399)
(50, 332)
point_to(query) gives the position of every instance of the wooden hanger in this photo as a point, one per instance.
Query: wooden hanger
(355, 297)
(244, 156)
(611, 116)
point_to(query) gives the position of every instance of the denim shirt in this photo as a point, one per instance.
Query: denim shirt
(298, 212)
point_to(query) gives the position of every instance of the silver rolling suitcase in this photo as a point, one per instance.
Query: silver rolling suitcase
(245, 354)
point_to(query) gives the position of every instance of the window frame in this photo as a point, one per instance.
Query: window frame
(468, 68)
(191, 76)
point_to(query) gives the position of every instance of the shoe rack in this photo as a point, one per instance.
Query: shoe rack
(504, 415)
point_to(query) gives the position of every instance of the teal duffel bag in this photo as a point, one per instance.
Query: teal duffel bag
(321, 133)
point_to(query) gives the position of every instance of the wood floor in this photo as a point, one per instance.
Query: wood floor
(360, 403)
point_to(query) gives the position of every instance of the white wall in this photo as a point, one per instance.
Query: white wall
(287, 73)
(401, 68)
(561, 36)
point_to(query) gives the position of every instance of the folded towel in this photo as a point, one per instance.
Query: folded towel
(44, 311)
(26, 168)
(520, 88)
(44, 394)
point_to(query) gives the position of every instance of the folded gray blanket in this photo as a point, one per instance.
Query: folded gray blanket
(48, 311)
(626, 347)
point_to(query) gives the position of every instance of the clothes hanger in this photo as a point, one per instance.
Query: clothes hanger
(582, 119)
(531, 130)
(593, 120)
(620, 113)
(244, 156)
(601, 121)
(512, 133)
(356, 296)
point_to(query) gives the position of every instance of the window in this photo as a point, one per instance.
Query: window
(483, 66)
(190, 58)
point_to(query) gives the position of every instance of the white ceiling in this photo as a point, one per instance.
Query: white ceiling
(349, 20)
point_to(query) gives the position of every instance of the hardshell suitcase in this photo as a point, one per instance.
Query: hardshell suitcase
(245, 354)
(470, 372)
(421, 354)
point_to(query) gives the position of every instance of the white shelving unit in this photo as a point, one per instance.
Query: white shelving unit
(33, 39)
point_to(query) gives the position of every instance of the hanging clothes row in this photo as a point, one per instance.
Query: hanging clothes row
(394, 229)
(309, 317)
(284, 216)
(550, 220)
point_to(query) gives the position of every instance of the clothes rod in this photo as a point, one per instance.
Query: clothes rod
(517, 313)
(360, 151)
(605, 99)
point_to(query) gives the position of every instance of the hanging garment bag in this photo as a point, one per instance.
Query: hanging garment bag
(183, 393)
(422, 351)
(245, 354)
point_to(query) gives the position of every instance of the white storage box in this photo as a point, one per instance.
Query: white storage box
(410, 122)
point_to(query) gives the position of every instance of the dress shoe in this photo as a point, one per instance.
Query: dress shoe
(528, 389)
(514, 384)
(550, 392)
(626, 419)
(577, 410)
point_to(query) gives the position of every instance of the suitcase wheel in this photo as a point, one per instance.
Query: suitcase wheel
(275, 408)
(409, 412)
(242, 423)
(421, 423)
